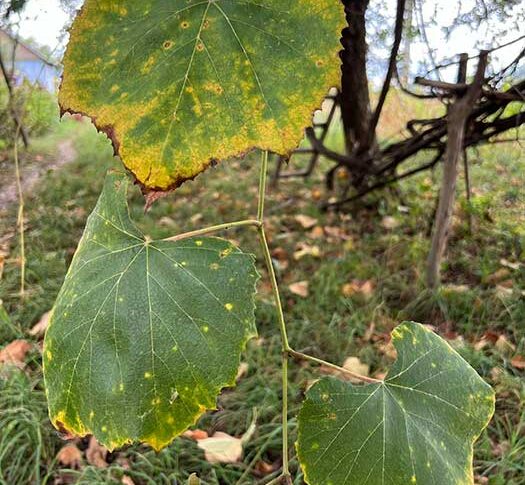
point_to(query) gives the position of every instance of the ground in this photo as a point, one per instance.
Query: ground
(365, 274)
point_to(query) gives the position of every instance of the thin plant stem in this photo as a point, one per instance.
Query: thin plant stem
(300, 355)
(262, 186)
(280, 315)
(20, 219)
(212, 229)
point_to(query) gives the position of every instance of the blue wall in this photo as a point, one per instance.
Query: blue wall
(37, 72)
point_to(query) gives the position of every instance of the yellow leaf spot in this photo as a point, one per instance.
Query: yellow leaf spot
(174, 348)
(49, 355)
(315, 446)
(156, 401)
(198, 243)
(205, 329)
(168, 44)
(104, 429)
(228, 307)
(214, 266)
(184, 25)
(91, 414)
(413, 479)
(121, 387)
(148, 375)
(115, 88)
(170, 420)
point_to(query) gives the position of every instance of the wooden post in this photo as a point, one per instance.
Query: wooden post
(457, 116)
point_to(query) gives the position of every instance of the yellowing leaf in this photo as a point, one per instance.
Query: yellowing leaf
(179, 84)
(144, 334)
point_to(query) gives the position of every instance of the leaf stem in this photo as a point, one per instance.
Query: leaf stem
(212, 229)
(280, 315)
(300, 355)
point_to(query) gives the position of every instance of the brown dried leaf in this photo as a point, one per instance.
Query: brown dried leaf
(518, 362)
(15, 352)
(300, 288)
(499, 275)
(96, 454)
(195, 434)
(360, 288)
(306, 250)
(40, 328)
(306, 222)
(70, 456)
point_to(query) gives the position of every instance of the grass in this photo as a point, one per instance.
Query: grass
(326, 324)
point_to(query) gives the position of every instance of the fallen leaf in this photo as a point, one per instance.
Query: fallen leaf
(300, 288)
(317, 194)
(360, 288)
(518, 362)
(306, 222)
(389, 222)
(15, 352)
(510, 265)
(504, 345)
(354, 364)
(126, 480)
(96, 454)
(221, 448)
(263, 468)
(167, 221)
(40, 328)
(316, 233)
(306, 250)
(499, 275)
(280, 254)
(70, 456)
(195, 434)
(193, 479)
(243, 370)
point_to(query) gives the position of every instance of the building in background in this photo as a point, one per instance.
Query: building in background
(27, 63)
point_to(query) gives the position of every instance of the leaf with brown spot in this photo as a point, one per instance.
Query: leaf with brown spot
(180, 85)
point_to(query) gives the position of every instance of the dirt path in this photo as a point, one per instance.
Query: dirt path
(31, 173)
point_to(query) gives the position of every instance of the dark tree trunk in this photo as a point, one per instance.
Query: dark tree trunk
(355, 98)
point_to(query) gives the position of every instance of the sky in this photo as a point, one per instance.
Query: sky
(45, 21)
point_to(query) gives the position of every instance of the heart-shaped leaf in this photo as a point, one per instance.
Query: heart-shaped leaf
(177, 84)
(417, 427)
(144, 334)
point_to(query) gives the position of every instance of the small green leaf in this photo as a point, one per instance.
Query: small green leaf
(178, 84)
(418, 426)
(144, 334)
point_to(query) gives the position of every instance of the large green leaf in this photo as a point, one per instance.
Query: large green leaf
(144, 334)
(418, 426)
(177, 84)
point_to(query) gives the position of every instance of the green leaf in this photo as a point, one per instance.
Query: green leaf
(178, 84)
(144, 334)
(418, 426)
